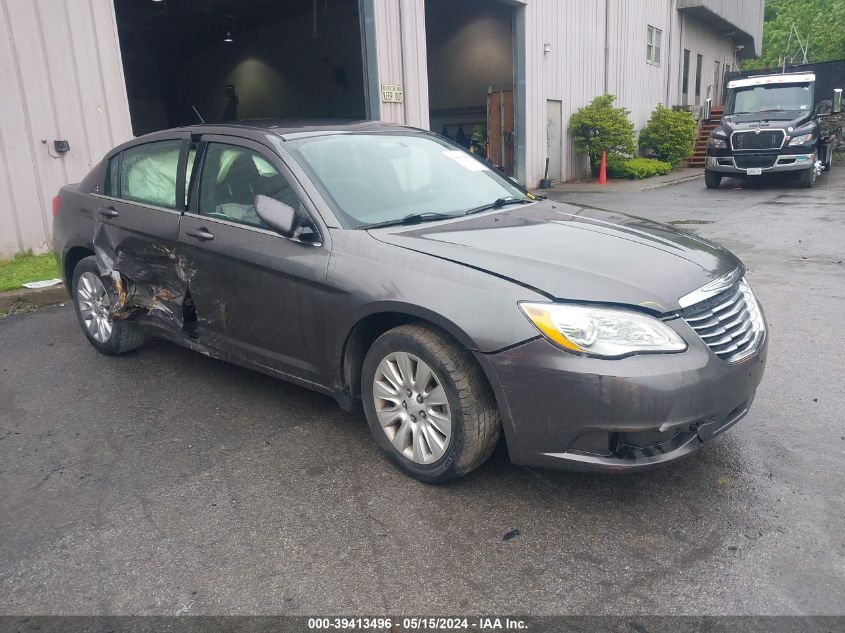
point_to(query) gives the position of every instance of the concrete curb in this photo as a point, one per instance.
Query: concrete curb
(28, 299)
(619, 186)
(671, 183)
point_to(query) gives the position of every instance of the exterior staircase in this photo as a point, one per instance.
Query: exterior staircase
(699, 152)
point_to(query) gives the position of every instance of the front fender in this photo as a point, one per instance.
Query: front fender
(479, 309)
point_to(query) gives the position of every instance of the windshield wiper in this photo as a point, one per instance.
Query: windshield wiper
(413, 218)
(498, 204)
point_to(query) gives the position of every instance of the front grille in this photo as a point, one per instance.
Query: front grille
(730, 323)
(744, 161)
(752, 139)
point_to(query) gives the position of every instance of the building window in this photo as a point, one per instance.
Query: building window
(655, 39)
(685, 80)
(699, 63)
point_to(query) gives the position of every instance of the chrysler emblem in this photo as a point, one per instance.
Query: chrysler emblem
(757, 131)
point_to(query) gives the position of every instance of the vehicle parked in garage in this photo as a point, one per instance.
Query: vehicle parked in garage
(772, 124)
(385, 265)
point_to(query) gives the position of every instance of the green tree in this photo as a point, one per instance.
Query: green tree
(670, 134)
(599, 127)
(820, 23)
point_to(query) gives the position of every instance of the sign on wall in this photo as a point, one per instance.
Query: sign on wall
(392, 93)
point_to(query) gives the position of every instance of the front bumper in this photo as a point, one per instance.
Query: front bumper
(571, 412)
(784, 162)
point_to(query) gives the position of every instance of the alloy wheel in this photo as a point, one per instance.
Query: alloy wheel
(94, 305)
(412, 408)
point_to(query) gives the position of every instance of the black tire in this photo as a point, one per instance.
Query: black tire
(125, 336)
(476, 424)
(828, 158)
(807, 178)
(712, 180)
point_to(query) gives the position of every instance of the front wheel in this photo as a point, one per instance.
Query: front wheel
(712, 180)
(93, 309)
(808, 177)
(428, 404)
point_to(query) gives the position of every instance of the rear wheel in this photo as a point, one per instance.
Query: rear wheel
(711, 179)
(428, 404)
(92, 301)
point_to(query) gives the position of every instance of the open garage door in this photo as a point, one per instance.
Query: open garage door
(224, 60)
(470, 48)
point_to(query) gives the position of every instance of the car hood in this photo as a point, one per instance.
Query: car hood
(574, 253)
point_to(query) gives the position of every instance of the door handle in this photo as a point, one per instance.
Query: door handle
(201, 234)
(108, 212)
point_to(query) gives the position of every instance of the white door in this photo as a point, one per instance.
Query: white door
(554, 138)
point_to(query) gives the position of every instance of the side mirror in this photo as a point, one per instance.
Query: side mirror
(837, 100)
(277, 215)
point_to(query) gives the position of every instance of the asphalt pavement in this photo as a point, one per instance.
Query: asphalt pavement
(165, 482)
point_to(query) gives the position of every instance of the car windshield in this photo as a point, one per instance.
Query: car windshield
(381, 178)
(770, 98)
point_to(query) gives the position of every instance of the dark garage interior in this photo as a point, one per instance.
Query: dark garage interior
(224, 60)
(470, 75)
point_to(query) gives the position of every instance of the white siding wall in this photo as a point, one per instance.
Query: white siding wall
(401, 58)
(701, 39)
(62, 79)
(574, 70)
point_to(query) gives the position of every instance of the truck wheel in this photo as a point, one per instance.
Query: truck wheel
(808, 178)
(711, 179)
(92, 302)
(428, 404)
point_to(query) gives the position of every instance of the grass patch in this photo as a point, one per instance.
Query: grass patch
(25, 267)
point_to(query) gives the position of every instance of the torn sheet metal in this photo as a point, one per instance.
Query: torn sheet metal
(145, 276)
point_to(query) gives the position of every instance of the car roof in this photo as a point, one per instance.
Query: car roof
(297, 128)
(286, 129)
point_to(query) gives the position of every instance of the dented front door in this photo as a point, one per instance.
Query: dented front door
(136, 230)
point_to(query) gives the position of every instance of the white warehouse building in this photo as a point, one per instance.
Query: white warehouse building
(81, 76)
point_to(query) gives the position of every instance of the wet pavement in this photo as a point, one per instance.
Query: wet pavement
(166, 482)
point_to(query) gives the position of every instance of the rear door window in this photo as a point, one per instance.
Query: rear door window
(148, 173)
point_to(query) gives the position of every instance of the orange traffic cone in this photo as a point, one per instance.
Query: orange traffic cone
(603, 169)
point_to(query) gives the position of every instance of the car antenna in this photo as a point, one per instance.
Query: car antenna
(197, 112)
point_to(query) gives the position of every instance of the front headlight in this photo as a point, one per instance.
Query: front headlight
(717, 143)
(801, 140)
(602, 332)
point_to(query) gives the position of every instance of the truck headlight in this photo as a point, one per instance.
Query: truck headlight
(602, 332)
(717, 143)
(801, 140)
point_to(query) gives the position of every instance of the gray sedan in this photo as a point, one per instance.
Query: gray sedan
(386, 266)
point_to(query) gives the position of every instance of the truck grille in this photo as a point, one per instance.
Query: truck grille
(730, 323)
(752, 139)
(744, 161)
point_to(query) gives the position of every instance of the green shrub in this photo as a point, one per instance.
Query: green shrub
(637, 168)
(670, 134)
(600, 127)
